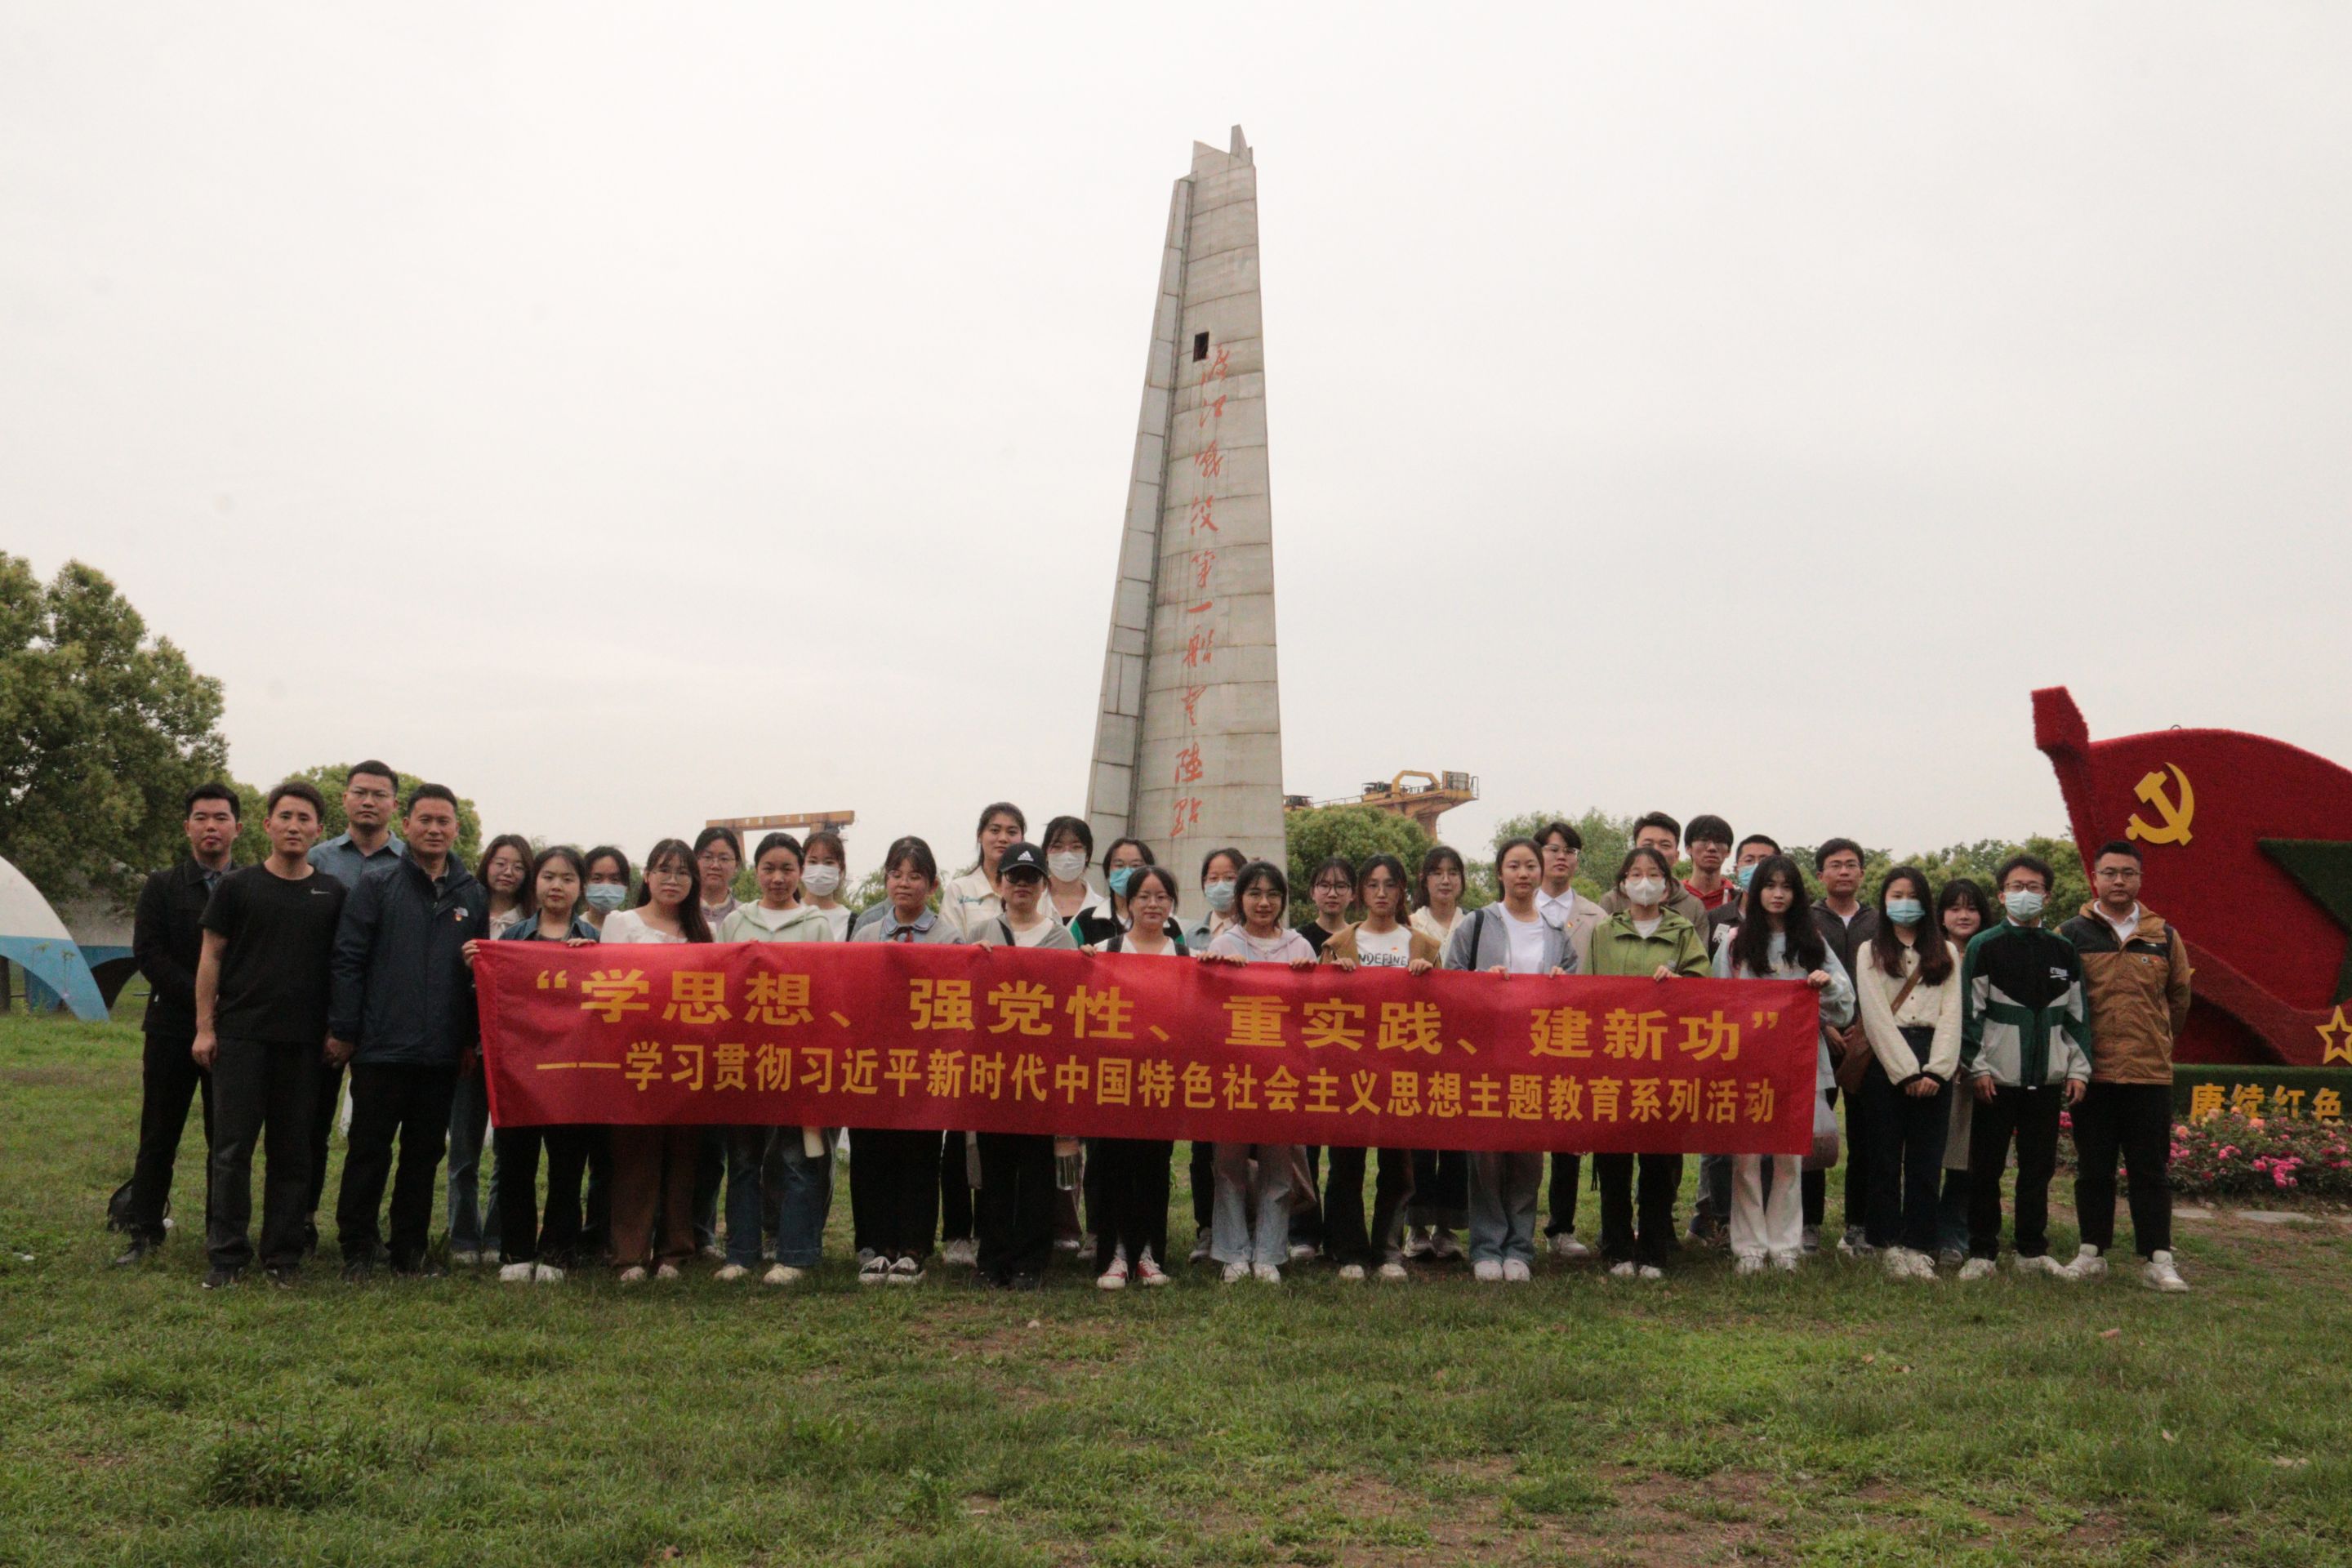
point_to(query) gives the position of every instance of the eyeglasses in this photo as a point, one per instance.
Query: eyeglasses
(2119, 873)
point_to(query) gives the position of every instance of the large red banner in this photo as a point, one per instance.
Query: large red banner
(1005, 1040)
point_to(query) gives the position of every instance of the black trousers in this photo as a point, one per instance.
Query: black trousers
(168, 1079)
(1564, 1178)
(523, 1237)
(955, 1190)
(1307, 1217)
(409, 1105)
(1905, 1133)
(1651, 1238)
(1017, 1200)
(1131, 1204)
(709, 1175)
(1202, 1175)
(896, 1175)
(264, 1093)
(597, 1221)
(1440, 1188)
(2133, 1119)
(1857, 1160)
(1344, 1235)
(2029, 1116)
(322, 1127)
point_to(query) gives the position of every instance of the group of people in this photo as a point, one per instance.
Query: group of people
(1959, 1027)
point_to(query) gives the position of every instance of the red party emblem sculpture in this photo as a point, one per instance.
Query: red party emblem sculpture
(2248, 847)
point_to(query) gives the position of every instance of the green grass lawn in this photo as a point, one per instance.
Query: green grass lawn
(1835, 1416)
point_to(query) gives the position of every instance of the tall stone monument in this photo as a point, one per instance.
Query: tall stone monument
(1188, 739)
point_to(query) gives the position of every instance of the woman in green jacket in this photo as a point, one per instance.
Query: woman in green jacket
(1645, 937)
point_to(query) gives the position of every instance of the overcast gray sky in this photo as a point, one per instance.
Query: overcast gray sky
(635, 413)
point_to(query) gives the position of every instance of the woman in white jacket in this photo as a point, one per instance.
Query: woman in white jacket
(1907, 979)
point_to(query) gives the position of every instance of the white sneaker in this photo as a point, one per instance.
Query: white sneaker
(2159, 1274)
(1624, 1270)
(1416, 1241)
(1201, 1245)
(1899, 1263)
(1515, 1272)
(1977, 1268)
(1148, 1271)
(964, 1254)
(634, 1274)
(1113, 1278)
(1351, 1272)
(546, 1274)
(1487, 1269)
(1565, 1245)
(1394, 1271)
(2087, 1263)
(1854, 1243)
(516, 1273)
(732, 1273)
(1749, 1263)
(906, 1271)
(464, 1260)
(783, 1274)
(1300, 1251)
(875, 1271)
(1442, 1246)
(2041, 1263)
(1652, 1271)
(1237, 1272)
(1787, 1262)
(1265, 1274)
(713, 1251)
(667, 1271)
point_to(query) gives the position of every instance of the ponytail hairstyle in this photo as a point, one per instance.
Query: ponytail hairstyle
(996, 809)
(690, 921)
(1887, 948)
(1751, 945)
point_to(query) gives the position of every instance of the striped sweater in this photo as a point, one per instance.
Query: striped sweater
(2023, 1021)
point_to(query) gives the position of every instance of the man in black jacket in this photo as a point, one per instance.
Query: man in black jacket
(402, 1015)
(167, 940)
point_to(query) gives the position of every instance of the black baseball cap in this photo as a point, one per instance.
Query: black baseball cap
(1023, 857)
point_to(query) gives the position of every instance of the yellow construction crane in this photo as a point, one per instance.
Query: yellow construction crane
(1425, 801)
(833, 821)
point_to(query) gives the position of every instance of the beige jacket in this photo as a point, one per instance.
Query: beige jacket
(1935, 1007)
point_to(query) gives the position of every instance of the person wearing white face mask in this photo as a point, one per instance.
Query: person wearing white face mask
(1069, 846)
(824, 871)
(1644, 938)
(2025, 1045)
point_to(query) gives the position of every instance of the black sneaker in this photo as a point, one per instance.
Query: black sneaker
(359, 1271)
(221, 1278)
(310, 1238)
(139, 1251)
(285, 1276)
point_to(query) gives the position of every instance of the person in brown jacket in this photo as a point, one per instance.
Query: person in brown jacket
(2136, 975)
(1381, 939)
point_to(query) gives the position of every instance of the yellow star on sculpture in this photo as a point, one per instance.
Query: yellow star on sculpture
(2336, 1038)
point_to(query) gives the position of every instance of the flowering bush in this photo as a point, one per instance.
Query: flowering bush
(2235, 1153)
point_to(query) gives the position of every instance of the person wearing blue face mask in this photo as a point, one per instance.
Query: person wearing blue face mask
(1220, 872)
(2025, 1045)
(1906, 978)
(1112, 914)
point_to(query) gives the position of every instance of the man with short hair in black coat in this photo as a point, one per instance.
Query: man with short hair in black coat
(166, 941)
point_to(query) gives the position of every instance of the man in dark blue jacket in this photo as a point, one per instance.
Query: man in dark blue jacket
(402, 1013)
(166, 941)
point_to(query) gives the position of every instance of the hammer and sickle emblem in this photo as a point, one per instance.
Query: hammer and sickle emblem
(2176, 815)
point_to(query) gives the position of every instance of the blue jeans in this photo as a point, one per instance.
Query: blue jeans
(1502, 1206)
(473, 1224)
(752, 1155)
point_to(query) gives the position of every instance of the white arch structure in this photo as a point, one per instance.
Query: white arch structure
(32, 935)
